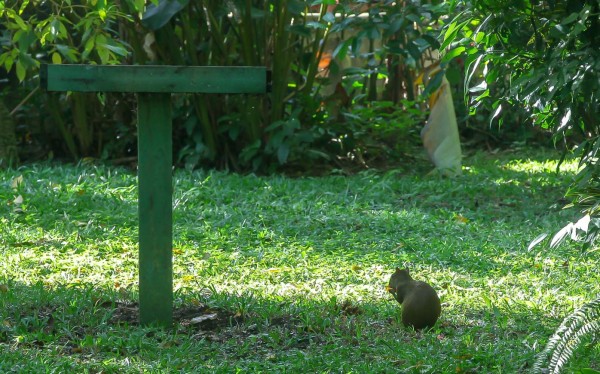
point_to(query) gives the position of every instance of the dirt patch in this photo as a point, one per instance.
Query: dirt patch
(198, 317)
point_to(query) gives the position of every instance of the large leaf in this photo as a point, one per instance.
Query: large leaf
(156, 16)
(440, 134)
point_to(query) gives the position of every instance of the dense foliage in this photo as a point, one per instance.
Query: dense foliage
(541, 57)
(544, 58)
(328, 70)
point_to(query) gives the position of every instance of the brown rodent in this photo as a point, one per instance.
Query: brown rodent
(420, 303)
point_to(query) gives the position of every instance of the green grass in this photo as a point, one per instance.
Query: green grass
(290, 273)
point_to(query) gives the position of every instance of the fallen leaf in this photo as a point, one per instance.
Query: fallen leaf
(278, 270)
(461, 219)
(16, 182)
(349, 309)
(17, 202)
(169, 344)
(203, 318)
(3, 288)
(76, 350)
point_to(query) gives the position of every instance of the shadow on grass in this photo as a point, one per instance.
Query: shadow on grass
(93, 329)
(368, 218)
(474, 225)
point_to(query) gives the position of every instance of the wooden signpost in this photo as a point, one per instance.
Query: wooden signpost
(153, 86)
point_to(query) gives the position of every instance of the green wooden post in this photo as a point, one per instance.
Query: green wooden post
(155, 208)
(154, 84)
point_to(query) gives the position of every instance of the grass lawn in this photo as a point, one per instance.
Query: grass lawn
(274, 274)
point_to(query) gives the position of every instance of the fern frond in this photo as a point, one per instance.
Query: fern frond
(568, 337)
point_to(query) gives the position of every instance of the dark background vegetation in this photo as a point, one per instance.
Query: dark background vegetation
(319, 116)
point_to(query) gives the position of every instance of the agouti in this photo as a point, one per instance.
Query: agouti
(420, 303)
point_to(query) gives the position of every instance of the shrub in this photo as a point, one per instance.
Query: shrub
(296, 125)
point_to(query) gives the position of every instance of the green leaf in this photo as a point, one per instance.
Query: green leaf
(56, 59)
(577, 29)
(414, 51)
(296, 7)
(282, 153)
(486, 93)
(23, 6)
(570, 19)
(472, 62)
(315, 25)
(25, 39)
(433, 42)
(342, 49)
(396, 25)
(452, 54)
(139, 5)
(101, 49)
(450, 34)
(250, 151)
(67, 52)
(21, 71)
(491, 75)
(479, 37)
(19, 21)
(156, 16)
(300, 30)
(434, 83)
(120, 50)
(9, 61)
(55, 29)
(89, 46)
(329, 17)
(103, 53)
(453, 74)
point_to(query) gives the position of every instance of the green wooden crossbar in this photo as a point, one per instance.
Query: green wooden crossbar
(166, 79)
(154, 84)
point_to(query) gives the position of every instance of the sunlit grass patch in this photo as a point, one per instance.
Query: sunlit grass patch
(289, 274)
